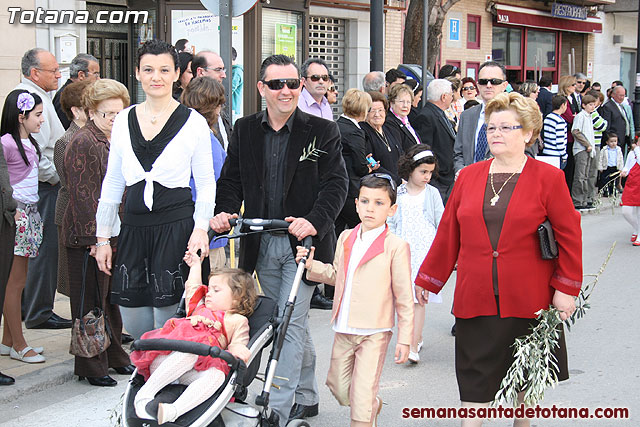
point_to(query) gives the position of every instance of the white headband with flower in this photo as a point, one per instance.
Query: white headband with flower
(25, 102)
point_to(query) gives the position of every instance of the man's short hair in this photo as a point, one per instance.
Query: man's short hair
(558, 101)
(394, 74)
(545, 82)
(617, 83)
(494, 64)
(308, 62)
(80, 63)
(580, 76)
(437, 88)
(373, 81)
(30, 60)
(373, 181)
(199, 61)
(276, 60)
(234, 54)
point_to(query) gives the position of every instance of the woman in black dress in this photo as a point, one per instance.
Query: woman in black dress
(400, 103)
(383, 141)
(355, 105)
(156, 147)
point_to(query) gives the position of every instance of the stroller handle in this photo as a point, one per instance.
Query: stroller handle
(200, 349)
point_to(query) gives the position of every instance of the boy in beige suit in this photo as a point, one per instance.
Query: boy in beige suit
(372, 275)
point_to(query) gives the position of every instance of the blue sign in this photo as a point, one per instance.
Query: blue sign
(454, 30)
(569, 11)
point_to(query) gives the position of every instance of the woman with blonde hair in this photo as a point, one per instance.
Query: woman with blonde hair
(85, 166)
(355, 105)
(566, 87)
(502, 280)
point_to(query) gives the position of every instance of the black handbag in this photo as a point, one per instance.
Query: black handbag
(548, 245)
(90, 333)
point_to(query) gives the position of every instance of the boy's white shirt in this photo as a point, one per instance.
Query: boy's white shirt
(360, 247)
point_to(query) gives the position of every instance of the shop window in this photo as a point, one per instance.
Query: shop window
(541, 49)
(506, 46)
(282, 33)
(473, 31)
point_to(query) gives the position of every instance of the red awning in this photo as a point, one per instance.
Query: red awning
(515, 15)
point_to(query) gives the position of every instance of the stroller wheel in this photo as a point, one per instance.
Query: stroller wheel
(298, 423)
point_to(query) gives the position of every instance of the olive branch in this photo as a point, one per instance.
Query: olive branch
(311, 152)
(534, 368)
(614, 198)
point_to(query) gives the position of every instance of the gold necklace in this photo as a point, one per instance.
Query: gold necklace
(154, 119)
(496, 195)
(384, 139)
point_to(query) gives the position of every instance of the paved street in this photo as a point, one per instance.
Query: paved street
(603, 354)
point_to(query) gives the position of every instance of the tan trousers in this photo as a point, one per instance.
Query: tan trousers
(354, 373)
(217, 259)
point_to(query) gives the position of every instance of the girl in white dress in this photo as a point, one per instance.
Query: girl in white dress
(416, 220)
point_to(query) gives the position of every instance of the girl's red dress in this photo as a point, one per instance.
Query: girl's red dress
(181, 329)
(631, 193)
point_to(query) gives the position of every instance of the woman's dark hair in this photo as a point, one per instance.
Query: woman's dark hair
(184, 59)
(378, 97)
(9, 123)
(158, 47)
(372, 181)
(180, 44)
(470, 103)
(406, 164)
(71, 96)
(204, 95)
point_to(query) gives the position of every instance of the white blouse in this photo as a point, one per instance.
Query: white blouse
(188, 152)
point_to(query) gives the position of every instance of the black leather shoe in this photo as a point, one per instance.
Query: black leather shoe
(52, 323)
(126, 338)
(105, 381)
(6, 379)
(58, 318)
(299, 412)
(125, 370)
(319, 301)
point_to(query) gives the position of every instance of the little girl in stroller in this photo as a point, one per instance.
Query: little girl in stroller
(216, 316)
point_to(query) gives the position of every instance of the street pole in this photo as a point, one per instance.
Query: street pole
(425, 49)
(375, 33)
(636, 103)
(225, 50)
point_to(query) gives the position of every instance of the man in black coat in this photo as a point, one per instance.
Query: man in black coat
(544, 96)
(285, 164)
(613, 112)
(436, 131)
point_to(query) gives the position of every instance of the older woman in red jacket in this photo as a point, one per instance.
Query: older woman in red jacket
(489, 229)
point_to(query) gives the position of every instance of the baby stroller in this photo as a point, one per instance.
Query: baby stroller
(265, 327)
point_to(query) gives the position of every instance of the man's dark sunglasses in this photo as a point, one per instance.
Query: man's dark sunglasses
(494, 82)
(277, 84)
(383, 176)
(315, 77)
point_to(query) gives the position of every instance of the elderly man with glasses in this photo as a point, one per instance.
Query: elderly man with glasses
(40, 73)
(285, 164)
(82, 67)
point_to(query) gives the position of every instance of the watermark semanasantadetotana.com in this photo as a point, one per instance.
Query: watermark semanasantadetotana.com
(517, 412)
(18, 15)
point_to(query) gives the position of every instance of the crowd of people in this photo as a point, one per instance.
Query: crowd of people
(110, 204)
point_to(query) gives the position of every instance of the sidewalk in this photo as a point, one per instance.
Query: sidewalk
(34, 377)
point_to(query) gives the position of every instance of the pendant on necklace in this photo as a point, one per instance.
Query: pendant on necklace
(494, 200)
(154, 120)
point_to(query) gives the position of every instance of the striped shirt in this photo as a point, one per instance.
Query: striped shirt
(554, 134)
(599, 126)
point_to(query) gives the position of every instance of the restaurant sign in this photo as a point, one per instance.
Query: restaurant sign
(568, 11)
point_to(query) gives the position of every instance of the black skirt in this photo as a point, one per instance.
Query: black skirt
(484, 353)
(149, 270)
